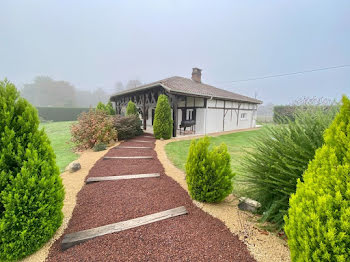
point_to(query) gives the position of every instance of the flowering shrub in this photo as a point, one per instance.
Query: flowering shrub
(93, 127)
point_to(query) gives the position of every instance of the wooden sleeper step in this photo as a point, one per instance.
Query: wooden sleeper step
(72, 239)
(128, 157)
(113, 178)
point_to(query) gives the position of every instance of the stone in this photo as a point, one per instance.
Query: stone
(247, 204)
(73, 167)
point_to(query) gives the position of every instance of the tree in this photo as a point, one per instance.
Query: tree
(163, 123)
(131, 109)
(119, 86)
(44, 91)
(318, 220)
(208, 173)
(132, 84)
(31, 190)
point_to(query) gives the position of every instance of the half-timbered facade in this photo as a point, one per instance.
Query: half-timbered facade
(196, 107)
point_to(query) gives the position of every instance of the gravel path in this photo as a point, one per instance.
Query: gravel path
(193, 237)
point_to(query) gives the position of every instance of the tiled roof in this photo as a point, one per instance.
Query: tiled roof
(187, 86)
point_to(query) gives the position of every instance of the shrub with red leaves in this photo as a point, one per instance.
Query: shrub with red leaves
(93, 127)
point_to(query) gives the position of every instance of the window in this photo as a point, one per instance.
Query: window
(244, 116)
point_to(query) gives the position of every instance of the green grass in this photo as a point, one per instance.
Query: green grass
(236, 143)
(59, 135)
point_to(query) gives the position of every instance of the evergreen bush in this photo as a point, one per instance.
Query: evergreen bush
(127, 126)
(208, 172)
(163, 123)
(280, 156)
(108, 108)
(131, 109)
(93, 127)
(318, 221)
(31, 190)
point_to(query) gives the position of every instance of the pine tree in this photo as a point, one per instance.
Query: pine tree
(318, 221)
(31, 190)
(208, 172)
(131, 109)
(163, 123)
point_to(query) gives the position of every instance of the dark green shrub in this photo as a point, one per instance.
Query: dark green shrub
(318, 221)
(163, 123)
(131, 109)
(208, 172)
(31, 191)
(99, 147)
(58, 114)
(127, 126)
(93, 127)
(280, 156)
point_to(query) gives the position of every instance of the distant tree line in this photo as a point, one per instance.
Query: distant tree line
(47, 92)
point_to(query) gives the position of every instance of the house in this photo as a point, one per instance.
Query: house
(197, 107)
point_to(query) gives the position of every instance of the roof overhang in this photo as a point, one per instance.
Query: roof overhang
(156, 84)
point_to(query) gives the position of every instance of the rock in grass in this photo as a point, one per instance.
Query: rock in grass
(73, 167)
(247, 204)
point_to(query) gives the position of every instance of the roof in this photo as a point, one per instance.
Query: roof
(182, 85)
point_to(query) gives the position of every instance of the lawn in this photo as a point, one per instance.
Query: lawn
(59, 135)
(236, 143)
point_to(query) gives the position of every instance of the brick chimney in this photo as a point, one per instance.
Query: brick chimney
(196, 74)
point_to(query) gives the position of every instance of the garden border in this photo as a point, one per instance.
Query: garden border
(262, 245)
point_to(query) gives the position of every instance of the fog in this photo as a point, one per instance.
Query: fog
(94, 45)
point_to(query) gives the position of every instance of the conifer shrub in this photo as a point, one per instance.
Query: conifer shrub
(107, 108)
(208, 172)
(163, 123)
(93, 127)
(131, 109)
(31, 190)
(127, 126)
(280, 156)
(318, 220)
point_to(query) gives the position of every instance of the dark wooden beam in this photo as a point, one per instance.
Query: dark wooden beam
(144, 112)
(175, 115)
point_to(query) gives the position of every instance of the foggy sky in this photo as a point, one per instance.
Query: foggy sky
(97, 43)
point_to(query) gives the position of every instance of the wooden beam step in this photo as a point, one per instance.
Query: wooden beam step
(140, 141)
(72, 239)
(113, 178)
(133, 147)
(128, 157)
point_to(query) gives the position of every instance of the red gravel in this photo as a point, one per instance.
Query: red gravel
(193, 237)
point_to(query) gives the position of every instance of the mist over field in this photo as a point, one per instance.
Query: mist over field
(76, 53)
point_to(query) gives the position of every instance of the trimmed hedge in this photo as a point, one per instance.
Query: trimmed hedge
(163, 122)
(208, 172)
(31, 190)
(318, 221)
(58, 114)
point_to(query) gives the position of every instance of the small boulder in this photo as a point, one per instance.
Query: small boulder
(247, 204)
(73, 167)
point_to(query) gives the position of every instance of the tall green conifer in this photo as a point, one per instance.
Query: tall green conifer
(31, 190)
